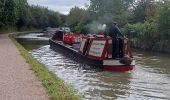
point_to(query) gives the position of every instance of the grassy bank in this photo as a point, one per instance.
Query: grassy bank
(55, 87)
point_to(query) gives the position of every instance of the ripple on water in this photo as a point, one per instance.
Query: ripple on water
(147, 81)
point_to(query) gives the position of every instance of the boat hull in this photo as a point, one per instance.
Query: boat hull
(107, 65)
(73, 54)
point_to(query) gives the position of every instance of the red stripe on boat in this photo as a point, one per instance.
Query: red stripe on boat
(118, 68)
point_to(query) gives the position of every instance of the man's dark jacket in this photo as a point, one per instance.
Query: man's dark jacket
(114, 32)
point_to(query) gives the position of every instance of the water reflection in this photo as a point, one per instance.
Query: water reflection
(93, 83)
(33, 40)
(149, 80)
(159, 63)
(34, 36)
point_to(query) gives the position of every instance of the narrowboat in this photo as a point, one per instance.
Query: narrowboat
(93, 50)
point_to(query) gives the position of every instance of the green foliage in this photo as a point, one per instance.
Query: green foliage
(1, 13)
(77, 19)
(145, 10)
(79, 28)
(63, 19)
(146, 22)
(23, 13)
(149, 20)
(107, 11)
(147, 36)
(17, 13)
(54, 19)
(139, 12)
(163, 21)
(42, 17)
(8, 13)
(152, 30)
(100, 11)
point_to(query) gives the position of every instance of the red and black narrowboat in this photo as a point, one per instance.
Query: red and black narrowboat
(93, 50)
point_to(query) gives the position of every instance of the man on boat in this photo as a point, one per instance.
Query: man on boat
(116, 35)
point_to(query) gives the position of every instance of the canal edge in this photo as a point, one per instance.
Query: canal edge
(55, 87)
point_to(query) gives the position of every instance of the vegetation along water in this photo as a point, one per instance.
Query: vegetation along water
(146, 22)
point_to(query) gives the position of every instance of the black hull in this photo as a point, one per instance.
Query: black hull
(73, 54)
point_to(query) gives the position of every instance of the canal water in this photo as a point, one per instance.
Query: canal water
(150, 80)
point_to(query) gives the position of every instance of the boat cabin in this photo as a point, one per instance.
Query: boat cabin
(95, 47)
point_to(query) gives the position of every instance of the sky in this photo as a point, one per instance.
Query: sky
(62, 6)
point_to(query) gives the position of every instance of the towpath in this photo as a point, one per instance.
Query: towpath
(17, 81)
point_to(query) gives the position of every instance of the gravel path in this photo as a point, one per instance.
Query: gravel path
(17, 81)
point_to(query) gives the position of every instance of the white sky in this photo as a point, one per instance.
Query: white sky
(62, 6)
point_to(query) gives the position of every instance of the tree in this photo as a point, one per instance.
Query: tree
(106, 11)
(54, 19)
(20, 14)
(145, 10)
(163, 20)
(44, 17)
(77, 15)
(1, 13)
(8, 12)
(63, 19)
(23, 13)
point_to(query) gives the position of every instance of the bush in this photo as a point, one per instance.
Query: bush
(143, 35)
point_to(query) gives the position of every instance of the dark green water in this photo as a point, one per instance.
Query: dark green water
(150, 80)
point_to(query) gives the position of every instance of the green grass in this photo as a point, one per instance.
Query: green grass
(57, 89)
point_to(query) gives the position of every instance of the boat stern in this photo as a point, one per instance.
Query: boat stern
(115, 65)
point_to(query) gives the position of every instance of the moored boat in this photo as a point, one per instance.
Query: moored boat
(93, 50)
